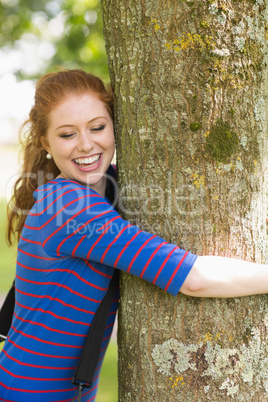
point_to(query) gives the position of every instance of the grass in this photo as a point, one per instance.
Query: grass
(108, 379)
(8, 254)
(108, 391)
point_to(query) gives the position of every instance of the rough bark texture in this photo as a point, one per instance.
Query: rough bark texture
(190, 80)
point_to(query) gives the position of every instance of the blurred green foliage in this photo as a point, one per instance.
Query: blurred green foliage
(8, 254)
(74, 28)
(108, 388)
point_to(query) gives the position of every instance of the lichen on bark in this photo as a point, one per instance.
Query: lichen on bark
(224, 366)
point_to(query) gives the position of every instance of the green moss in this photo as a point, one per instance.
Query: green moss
(232, 111)
(255, 53)
(246, 336)
(204, 24)
(195, 126)
(222, 142)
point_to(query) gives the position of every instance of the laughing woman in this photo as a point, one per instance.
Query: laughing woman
(71, 240)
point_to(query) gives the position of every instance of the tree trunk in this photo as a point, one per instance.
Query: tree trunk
(190, 80)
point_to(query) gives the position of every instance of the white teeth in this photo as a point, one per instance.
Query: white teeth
(87, 161)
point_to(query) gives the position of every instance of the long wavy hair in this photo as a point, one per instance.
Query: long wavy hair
(51, 90)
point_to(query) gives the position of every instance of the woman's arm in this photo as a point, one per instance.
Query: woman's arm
(79, 223)
(225, 277)
(87, 227)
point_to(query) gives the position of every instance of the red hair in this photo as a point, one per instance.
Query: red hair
(51, 90)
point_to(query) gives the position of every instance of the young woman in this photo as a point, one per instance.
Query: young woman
(71, 239)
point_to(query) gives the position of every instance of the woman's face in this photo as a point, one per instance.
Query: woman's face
(80, 138)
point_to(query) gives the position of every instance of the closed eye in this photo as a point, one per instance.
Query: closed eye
(69, 135)
(99, 128)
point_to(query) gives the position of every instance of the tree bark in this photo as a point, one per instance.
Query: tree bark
(190, 81)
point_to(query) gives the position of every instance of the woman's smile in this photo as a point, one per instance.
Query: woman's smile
(88, 163)
(80, 138)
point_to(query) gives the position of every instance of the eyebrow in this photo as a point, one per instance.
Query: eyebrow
(73, 125)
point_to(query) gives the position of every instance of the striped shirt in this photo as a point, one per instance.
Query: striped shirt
(72, 241)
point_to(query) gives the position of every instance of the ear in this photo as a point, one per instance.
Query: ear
(45, 143)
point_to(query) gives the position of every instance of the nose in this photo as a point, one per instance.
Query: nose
(85, 143)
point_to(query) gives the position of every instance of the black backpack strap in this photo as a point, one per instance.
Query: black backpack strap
(6, 313)
(84, 374)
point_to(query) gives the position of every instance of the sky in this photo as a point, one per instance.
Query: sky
(16, 99)
(30, 55)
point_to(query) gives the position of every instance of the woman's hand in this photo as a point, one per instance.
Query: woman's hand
(225, 277)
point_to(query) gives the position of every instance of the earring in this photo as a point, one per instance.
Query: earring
(48, 156)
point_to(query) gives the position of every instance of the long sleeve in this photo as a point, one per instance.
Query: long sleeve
(75, 221)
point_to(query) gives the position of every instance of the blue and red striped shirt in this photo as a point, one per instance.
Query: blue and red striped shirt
(72, 241)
